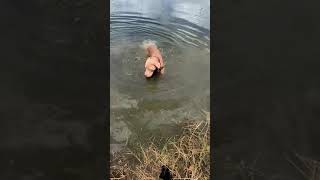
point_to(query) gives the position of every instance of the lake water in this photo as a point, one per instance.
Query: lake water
(181, 31)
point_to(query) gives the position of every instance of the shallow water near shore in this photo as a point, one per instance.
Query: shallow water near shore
(139, 105)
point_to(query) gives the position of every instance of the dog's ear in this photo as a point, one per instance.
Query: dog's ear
(153, 62)
(147, 62)
(150, 66)
(158, 65)
(148, 73)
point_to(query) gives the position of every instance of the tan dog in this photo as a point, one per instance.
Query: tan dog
(154, 62)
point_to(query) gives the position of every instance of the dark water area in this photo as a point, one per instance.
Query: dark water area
(53, 90)
(266, 88)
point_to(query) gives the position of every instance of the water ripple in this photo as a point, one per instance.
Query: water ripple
(184, 46)
(173, 31)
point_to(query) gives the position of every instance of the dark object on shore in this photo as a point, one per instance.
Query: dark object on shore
(165, 173)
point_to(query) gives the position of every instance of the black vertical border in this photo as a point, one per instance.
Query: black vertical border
(23, 75)
(107, 47)
(283, 36)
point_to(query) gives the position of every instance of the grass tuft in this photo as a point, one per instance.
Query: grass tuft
(186, 155)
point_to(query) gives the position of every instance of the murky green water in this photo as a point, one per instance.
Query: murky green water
(139, 105)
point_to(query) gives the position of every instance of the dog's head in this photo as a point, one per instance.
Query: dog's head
(152, 65)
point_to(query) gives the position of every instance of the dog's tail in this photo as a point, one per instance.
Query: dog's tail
(147, 43)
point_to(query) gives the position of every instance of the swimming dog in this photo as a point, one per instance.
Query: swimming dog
(154, 63)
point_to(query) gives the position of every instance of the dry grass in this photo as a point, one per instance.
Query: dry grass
(187, 156)
(309, 168)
